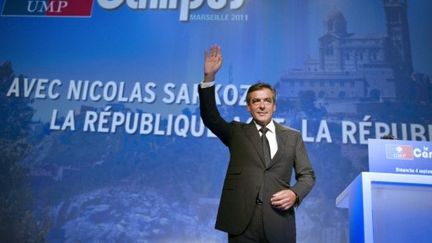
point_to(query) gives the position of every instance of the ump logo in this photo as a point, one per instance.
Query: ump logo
(75, 8)
(402, 152)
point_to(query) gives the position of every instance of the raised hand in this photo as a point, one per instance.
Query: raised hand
(212, 62)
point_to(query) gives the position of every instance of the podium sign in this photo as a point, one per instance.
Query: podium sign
(399, 156)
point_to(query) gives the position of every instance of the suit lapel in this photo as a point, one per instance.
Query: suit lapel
(253, 135)
(281, 141)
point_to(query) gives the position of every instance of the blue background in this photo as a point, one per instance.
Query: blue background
(118, 187)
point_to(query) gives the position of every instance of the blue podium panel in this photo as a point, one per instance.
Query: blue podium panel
(386, 207)
(401, 212)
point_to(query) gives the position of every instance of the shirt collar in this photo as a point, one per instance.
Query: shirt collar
(271, 126)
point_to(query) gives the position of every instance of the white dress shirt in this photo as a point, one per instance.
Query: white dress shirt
(271, 137)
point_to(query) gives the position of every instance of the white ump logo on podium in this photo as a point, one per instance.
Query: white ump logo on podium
(401, 152)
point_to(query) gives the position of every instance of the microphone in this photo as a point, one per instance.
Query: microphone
(389, 136)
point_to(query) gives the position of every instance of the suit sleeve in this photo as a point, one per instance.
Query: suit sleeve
(211, 116)
(304, 173)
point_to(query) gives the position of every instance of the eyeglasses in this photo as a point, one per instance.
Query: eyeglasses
(257, 101)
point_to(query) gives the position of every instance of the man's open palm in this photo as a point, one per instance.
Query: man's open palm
(213, 61)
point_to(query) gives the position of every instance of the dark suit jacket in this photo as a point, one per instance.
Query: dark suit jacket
(247, 172)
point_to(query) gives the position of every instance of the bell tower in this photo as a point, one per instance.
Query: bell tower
(399, 46)
(398, 35)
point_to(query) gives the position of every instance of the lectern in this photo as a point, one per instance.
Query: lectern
(389, 208)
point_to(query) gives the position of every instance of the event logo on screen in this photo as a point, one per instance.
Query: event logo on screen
(184, 6)
(70, 8)
(83, 8)
(401, 152)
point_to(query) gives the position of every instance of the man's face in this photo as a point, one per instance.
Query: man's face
(261, 106)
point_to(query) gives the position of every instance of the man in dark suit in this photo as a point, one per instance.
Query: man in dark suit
(257, 199)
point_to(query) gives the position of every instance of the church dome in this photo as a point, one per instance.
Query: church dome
(336, 22)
